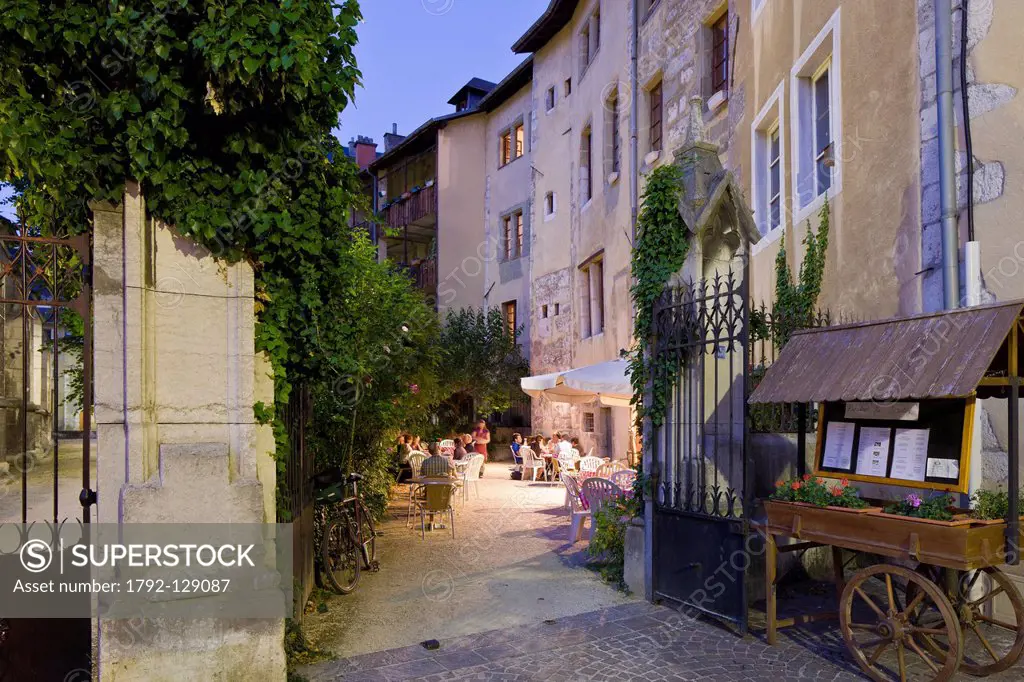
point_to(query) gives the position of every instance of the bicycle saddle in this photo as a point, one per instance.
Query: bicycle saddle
(354, 477)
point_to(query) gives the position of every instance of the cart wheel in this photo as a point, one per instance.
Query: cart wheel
(883, 639)
(990, 644)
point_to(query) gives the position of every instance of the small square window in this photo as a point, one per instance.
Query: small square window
(549, 204)
(557, 306)
(544, 311)
(549, 102)
(567, 89)
(588, 422)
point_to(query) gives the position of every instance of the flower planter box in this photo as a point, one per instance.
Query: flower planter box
(957, 545)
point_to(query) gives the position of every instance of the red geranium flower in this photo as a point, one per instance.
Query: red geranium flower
(796, 485)
(837, 491)
(844, 482)
(807, 477)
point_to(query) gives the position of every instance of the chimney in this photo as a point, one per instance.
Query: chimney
(365, 151)
(394, 128)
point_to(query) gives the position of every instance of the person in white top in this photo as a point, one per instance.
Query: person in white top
(562, 446)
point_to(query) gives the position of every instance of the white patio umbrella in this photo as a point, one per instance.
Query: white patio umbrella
(606, 382)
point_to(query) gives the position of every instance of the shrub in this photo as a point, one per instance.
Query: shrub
(608, 547)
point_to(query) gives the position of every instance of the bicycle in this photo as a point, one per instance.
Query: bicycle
(348, 540)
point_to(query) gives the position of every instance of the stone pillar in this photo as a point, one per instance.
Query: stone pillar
(175, 376)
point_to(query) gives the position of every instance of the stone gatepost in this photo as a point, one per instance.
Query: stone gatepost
(175, 383)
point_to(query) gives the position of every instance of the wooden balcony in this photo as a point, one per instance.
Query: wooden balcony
(412, 210)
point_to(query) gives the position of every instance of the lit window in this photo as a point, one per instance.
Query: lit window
(520, 140)
(509, 313)
(506, 147)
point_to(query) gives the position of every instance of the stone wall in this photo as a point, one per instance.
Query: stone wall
(175, 382)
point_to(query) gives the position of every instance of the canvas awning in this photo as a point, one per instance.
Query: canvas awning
(606, 382)
(941, 355)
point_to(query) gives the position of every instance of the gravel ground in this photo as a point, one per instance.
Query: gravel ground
(510, 565)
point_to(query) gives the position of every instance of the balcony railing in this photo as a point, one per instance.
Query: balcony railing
(423, 274)
(414, 207)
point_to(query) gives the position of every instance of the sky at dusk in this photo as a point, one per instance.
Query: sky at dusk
(415, 54)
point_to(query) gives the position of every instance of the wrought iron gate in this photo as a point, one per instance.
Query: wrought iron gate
(45, 416)
(702, 492)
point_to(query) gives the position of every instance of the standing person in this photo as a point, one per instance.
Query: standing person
(481, 437)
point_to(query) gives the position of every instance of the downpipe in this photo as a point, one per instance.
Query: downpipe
(947, 165)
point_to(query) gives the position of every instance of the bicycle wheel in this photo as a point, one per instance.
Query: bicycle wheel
(369, 534)
(340, 556)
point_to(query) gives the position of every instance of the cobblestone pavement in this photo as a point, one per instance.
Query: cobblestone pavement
(637, 641)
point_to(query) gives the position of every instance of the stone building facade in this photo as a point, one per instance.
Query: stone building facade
(581, 244)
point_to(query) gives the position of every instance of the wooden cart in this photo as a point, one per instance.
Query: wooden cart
(936, 601)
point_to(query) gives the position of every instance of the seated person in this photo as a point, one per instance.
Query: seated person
(437, 466)
(517, 442)
(575, 442)
(460, 448)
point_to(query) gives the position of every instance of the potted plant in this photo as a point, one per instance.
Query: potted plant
(819, 492)
(937, 509)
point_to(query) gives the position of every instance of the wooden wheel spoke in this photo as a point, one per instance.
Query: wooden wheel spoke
(862, 626)
(913, 604)
(930, 631)
(901, 657)
(984, 642)
(870, 602)
(920, 652)
(993, 621)
(874, 642)
(970, 584)
(982, 600)
(889, 592)
(878, 652)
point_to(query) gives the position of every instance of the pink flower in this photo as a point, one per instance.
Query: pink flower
(414, 388)
(913, 500)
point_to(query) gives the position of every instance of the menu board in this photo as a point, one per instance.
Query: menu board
(839, 445)
(873, 451)
(916, 444)
(910, 454)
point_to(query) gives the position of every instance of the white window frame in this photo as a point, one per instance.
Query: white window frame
(823, 52)
(772, 117)
(756, 7)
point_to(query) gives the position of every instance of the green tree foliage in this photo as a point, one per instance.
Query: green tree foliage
(223, 112)
(481, 358)
(662, 242)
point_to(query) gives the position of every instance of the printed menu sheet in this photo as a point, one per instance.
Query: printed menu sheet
(910, 454)
(838, 446)
(873, 451)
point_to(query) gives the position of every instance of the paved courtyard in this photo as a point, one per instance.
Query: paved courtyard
(510, 599)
